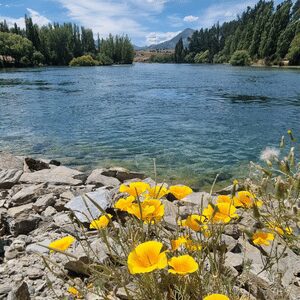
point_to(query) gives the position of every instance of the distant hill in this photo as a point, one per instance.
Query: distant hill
(185, 34)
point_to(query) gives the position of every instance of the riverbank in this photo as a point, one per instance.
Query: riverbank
(37, 199)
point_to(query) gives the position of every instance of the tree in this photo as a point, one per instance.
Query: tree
(294, 51)
(179, 52)
(240, 58)
(17, 47)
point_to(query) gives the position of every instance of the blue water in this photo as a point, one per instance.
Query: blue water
(196, 120)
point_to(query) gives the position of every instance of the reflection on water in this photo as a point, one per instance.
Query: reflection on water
(197, 121)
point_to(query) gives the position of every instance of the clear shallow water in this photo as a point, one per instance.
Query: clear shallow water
(195, 120)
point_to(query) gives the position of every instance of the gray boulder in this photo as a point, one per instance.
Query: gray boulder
(27, 194)
(122, 174)
(57, 176)
(15, 212)
(43, 202)
(85, 210)
(98, 179)
(9, 178)
(10, 162)
(21, 292)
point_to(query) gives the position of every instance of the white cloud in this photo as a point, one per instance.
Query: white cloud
(223, 12)
(190, 19)
(160, 37)
(37, 18)
(116, 17)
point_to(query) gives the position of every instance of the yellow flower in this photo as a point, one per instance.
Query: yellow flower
(280, 230)
(146, 258)
(158, 192)
(216, 297)
(150, 210)
(175, 244)
(246, 199)
(124, 204)
(62, 244)
(194, 222)
(183, 265)
(180, 191)
(262, 238)
(224, 199)
(73, 291)
(101, 223)
(222, 213)
(135, 188)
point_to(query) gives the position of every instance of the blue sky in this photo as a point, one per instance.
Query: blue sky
(145, 21)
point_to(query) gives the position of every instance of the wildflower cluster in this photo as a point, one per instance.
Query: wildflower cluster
(153, 257)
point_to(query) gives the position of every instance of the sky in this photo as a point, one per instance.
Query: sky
(145, 21)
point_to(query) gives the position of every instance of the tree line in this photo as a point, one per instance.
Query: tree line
(59, 44)
(261, 33)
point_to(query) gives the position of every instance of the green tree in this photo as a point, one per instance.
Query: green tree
(294, 51)
(179, 52)
(16, 46)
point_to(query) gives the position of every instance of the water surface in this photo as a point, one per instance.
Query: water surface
(196, 120)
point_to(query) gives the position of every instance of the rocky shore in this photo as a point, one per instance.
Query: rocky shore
(37, 197)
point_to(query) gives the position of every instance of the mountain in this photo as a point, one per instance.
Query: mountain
(185, 34)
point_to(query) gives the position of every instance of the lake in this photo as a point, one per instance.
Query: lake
(196, 120)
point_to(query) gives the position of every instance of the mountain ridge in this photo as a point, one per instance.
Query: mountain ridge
(170, 44)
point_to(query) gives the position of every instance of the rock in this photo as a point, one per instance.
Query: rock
(34, 273)
(4, 290)
(235, 260)
(198, 199)
(57, 176)
(35, 164)
(229, 241)
(49, 212)
(43, 202)
(85, 210)
(9, 178)
(14, 212)
(122, 174)
(9, 162)
(96, 178)
(15, 249)
(24, 224)
(36, 248)
(95, 252)
(61, 219)
(19, 293)
(68, 195)
(28, 194)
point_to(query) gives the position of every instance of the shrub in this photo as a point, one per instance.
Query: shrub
(162, 58)
(24, 61)
(38, 58)
(220, 59)
(83, 61)
(202, 57)
(240, 58)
